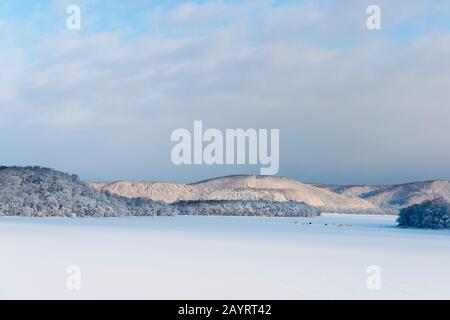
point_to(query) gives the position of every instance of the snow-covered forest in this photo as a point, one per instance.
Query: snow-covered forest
(39, 192)
(43, 192)
(247, 208)
(432, 214)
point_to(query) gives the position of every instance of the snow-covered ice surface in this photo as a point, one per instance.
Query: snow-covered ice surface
(189, 257)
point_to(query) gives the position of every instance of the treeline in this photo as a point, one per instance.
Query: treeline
(343, 210)
(246, 208)
(431, 214)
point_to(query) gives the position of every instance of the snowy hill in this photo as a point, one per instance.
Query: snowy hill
(37, 192)
(43, 192)
(392, 198)
(243, 188)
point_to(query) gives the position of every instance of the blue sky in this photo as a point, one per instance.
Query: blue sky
(352, 105)
(34, 19)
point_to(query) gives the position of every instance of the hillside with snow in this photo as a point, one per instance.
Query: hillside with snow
(43, 192)
(392, 198)
(36, 191)
(241, 188)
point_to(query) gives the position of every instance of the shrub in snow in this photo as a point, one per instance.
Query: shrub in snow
(431, 214)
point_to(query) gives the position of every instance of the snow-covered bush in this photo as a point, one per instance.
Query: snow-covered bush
(431, 214)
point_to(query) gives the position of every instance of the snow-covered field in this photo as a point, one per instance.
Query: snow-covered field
(222, 257)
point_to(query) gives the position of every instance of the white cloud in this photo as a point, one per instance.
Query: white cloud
(343, 111)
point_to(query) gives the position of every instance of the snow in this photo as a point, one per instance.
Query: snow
(188, 257)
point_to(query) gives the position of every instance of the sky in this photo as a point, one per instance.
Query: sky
(353, 105)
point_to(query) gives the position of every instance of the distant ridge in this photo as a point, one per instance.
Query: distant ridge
(241, 187)
(36, 191)
(392, 198)
(44, 192)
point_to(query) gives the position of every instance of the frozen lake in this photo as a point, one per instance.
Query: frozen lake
(222, 257)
